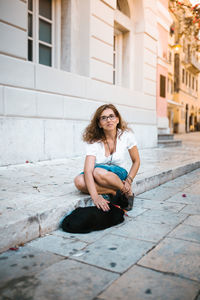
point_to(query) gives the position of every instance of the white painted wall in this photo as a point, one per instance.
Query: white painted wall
(44, 110)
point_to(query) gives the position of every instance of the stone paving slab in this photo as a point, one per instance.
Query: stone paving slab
(162, 217)
(171, 256)
(151, 204)
(57, 282)
(114, 253)
(191, 209)
(193, 220)
(25, 261)
(86, 237)
(143, 231)
(185, 198)
(143, 284)
(194, 189)
(58, 245)
(187, 233)
(158, 194)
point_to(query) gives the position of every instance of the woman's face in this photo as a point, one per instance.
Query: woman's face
(108, 120)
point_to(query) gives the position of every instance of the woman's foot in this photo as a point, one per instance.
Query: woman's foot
(129, 196)
(123, 200)
(130, 199)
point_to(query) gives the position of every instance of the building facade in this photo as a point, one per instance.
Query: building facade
(183, 79)
(60, 60)
(163, 23)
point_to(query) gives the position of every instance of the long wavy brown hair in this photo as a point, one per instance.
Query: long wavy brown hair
(94, 133)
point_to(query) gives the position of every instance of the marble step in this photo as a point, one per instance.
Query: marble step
(169, 143)
(165, 137)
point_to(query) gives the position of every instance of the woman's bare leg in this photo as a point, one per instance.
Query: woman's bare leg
(107, 179)
(79, 182)
(110, 180)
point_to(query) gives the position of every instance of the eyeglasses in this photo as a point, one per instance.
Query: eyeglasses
(105, 118)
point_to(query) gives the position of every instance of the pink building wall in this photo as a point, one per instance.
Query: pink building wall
(161, 102)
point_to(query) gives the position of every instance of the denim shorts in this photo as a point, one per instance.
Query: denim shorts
(119, 171)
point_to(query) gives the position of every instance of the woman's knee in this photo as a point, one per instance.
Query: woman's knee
(79, 182)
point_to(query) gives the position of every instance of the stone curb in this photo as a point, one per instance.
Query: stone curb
(18, 227)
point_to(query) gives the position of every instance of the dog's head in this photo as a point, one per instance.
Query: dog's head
(119, 199)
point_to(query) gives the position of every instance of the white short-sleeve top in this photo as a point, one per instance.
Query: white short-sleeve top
(124, 142)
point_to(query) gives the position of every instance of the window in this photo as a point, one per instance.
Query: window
(170, 57)
(188, 51)
(186, 78)
(183, 75)
(40, 32)
(121, 45)
(193, 82)
(189, 80)
(168, 85)
(30, 30)
(172, 86)
(197, 85)
(118, 58)
(162, 86)
(114, 60)
(123, 6)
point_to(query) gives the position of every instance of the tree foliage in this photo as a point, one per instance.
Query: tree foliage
(188, 17)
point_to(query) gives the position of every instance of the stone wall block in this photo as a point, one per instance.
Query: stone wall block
(150, 72)
(111, 3)
(150, 43)
(20, 102)
(101, 30)
(58, 81)
(27, 229)
(59, 139)
(23, 140)
(101, 71)
(150, 87)
(14, 12)
(73, 107)
(150, 58)
(13, 41)
(16, 72)
(1, 101)
(101, 51)
(102, 11)
(50, 105)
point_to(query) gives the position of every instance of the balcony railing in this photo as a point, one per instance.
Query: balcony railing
(192, 64)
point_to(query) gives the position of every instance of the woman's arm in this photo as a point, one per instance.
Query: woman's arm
(134, 168)
(134, 154)
(98, 200)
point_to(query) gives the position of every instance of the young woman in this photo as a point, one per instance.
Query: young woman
(108, 139)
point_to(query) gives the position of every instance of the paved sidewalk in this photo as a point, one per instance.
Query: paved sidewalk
(35, 196)
(153, 255)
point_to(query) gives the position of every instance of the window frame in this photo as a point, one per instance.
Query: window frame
(183, 75)
(162, 86)
(117, 57)
(55, 33)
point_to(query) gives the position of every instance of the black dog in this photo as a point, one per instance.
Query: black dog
(87, 219)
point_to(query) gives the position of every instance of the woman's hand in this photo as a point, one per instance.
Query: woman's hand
(127, 187)
(101, 203)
